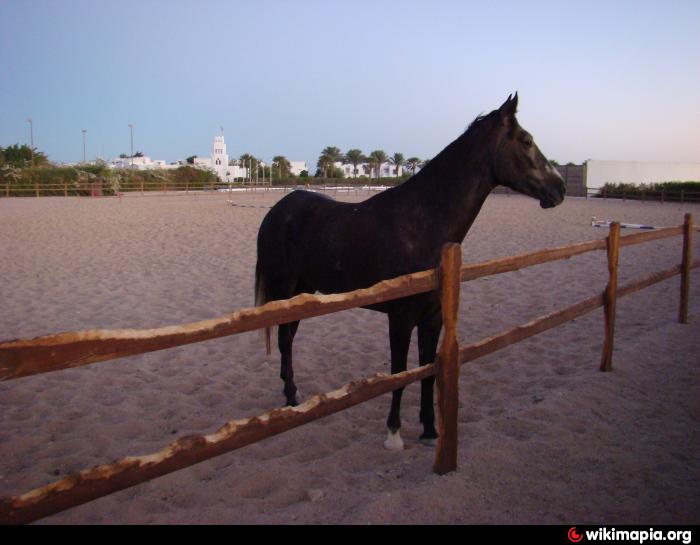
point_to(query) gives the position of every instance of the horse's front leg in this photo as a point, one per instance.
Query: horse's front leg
(399, 339)
(428, 335)
(285, 338)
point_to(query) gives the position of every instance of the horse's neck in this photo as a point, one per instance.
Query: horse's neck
(451, 198)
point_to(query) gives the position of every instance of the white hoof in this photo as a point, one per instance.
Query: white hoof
(393, 441)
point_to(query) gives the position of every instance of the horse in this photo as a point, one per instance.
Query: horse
(309, 242)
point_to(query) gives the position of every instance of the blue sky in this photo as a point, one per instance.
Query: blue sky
(601, 80)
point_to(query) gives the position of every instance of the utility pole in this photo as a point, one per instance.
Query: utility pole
(131, 129)
(84, 154)
(31, 138)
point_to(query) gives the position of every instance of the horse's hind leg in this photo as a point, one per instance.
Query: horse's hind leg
(285, 338)
(428, 335)
(399, 338)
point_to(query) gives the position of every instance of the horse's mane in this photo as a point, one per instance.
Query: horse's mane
(480, 120)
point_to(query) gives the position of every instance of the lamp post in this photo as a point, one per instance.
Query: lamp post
(31, 138)
(84, 148)
(131, 129)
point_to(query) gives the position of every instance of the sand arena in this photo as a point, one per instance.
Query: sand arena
(544, 437)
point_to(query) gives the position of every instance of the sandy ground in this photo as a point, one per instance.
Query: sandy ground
(544, 436)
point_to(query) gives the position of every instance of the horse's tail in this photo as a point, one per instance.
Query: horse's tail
(261, 299)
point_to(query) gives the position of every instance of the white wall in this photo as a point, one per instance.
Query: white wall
(598, 173)
(387, 170)
(297, 167)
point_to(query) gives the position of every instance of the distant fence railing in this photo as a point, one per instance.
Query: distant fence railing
(645, 194)
(25, 357)
(97, 189)
(71, 189)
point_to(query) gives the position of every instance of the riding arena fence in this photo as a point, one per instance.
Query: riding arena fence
(22, 358)
(357, 185)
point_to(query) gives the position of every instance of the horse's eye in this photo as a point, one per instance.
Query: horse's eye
(527, 141)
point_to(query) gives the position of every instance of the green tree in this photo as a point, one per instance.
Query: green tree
(251, 163)
(22, 156)
(376, 159)
(398, 161)
(282, 165)
(413, 162)
(326, 162)
(190, 159)
(354, 157)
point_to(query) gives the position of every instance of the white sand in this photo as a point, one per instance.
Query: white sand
(544, 436)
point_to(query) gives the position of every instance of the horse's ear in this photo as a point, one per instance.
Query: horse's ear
(510, 106)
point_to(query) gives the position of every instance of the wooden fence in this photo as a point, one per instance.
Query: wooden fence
(21, 358)
(100, 189)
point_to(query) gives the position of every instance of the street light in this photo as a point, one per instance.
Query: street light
(31, 138)
(131, 128)
(84, 155)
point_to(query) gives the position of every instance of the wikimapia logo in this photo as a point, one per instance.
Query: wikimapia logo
(637, 536)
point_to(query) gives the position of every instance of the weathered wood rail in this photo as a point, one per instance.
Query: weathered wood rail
(21, 358)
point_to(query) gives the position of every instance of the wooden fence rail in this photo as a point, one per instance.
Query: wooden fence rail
(27, 357)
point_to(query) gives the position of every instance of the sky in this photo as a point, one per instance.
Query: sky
(615, 80)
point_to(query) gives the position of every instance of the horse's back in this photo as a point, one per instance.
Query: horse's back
(288, 224)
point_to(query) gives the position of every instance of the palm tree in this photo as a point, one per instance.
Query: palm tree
(413, 162)
(249, 162)
(355, 157)
(376, 158)
(329, 156)
(283, 166)
(398, 161)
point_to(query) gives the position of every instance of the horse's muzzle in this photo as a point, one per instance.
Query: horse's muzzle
(553, 196)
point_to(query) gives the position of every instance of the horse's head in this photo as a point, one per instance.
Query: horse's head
(520, 165)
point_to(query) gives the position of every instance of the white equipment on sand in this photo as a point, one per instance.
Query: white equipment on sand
(606, 223)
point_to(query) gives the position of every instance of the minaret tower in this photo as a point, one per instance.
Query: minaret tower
(219, 157)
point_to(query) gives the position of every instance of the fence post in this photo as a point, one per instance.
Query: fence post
(447, 362)
(685, 268)
(610, 296)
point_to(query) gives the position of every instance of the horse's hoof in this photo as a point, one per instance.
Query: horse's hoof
(394, 441)
(429, 438)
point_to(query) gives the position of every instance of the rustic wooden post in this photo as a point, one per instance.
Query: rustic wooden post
(610, 296)
(685, 268)
(447, 363)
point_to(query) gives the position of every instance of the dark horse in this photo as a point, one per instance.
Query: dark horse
(309, 242)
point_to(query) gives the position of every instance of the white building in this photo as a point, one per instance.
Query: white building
(297, 167)
(598, 173)
(141, 163)
(386, 170)
(219, 162)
